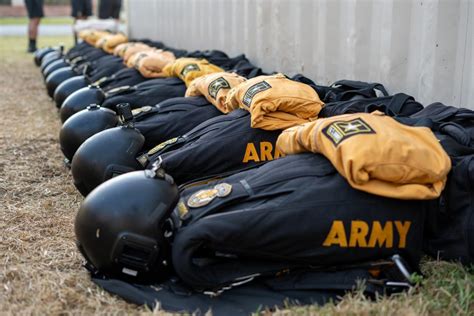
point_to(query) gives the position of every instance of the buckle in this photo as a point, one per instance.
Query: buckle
(237, 282)
(125, 114)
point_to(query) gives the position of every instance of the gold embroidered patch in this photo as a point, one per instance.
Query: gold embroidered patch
(204, 197)
(341, 130)
(160, 146)
(143, 109)
(216, 85)
(188, 68)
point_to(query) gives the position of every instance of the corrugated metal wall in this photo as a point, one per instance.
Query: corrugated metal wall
(423, 48)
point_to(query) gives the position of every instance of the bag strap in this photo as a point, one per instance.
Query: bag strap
(398, 101)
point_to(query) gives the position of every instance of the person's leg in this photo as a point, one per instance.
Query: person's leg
(35, 13)
(32, 33)
(81, 10)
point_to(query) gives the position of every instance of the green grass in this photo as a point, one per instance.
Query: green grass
(44, 21)
(13, 48)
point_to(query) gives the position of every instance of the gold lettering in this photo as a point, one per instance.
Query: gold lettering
(402, 229)
(359, 231)
(336, 236)
(278, 153)
(266, 151)
(251, 153)
(381, 236)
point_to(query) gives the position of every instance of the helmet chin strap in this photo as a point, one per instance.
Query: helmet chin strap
(158, 172)
(124, 112)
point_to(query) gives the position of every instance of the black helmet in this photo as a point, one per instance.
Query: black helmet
(83, 125)
(121, 227)
(79, 100)
(60, 63)
(57, 77)
(50, 58)
(67, 87)
(40, 53)
(106, 155)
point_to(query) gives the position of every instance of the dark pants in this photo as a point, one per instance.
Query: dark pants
(81, 8)
(109, 9)
(34, 8)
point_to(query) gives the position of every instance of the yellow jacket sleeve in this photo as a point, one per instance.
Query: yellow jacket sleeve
(215, 87)
(188, 69)
(275, 102)
(112, 41)
(151, 66)
(375, 153)
(134, 49)
(92, 36)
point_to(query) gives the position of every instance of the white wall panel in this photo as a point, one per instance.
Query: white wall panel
(424, 48)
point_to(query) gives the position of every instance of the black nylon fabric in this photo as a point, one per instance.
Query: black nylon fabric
(123, 77)
(105, 66)
(399, 104)
(216, 146)
(343, 90)
(450, 231)
(246, 69)
(174, 296)
(78, 49)
(149, 92)
(278, 216)
(173, 118)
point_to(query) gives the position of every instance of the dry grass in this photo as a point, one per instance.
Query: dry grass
(40, 269)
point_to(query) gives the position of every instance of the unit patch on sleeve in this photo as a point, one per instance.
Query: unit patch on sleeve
(204, 197)
(340, 130)
(253, 90)
(189, 68)
(216, 85)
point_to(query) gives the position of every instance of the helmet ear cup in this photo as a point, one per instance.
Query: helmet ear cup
(106, 155)
(55, 65)
(49, 59)
(57, 77)
(82, 125)
(40, 53)
(121, 227)
(67, 87)
(79, 100)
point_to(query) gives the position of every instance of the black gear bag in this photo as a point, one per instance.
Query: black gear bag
(172, 118)
(291, 213)
(450, 229)
(149, 92)
(223, 144)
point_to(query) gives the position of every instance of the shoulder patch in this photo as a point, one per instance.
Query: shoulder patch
(216, 85)
(162, 145)
(253, 90)
(188, 68)
(341, 130)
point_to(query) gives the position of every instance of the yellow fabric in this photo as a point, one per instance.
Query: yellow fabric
(120, 49)
(375, 153)
(151, 65)
(109, 42)
(135, 58)
(91, 36)
(215, 87)
(188, 69)
(275, 102)
(135, 49)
